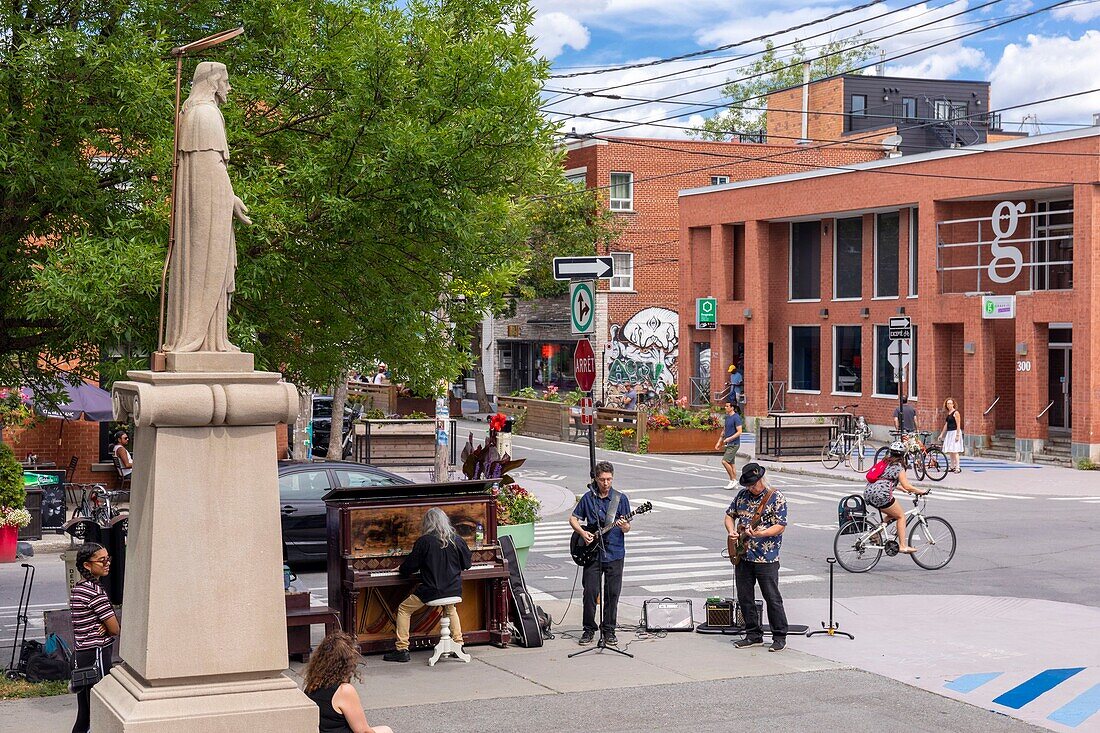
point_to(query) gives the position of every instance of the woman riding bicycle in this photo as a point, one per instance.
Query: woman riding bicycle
(880, 493)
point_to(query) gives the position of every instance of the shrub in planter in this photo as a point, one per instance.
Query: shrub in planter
(12, 493)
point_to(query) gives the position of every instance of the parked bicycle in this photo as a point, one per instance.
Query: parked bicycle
(848, 447)
(859, 545)
(96, 504)
(926, 458)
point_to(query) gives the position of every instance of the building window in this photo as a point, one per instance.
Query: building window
(805, 358)
(622, 191)
(848, 262)
(577, 176)
(909, 108)
(886, 255)
(886, 380)
(914, 241)
(859, 105)
(941, 109)
(805, 260)
(847, 359)
(623, 278)
(1052, 248)
(719, 180)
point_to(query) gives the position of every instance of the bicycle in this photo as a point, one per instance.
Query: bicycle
(96, 504)
(925, 458)
(858, 546)
(846, 446)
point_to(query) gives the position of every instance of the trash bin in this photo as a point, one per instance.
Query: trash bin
(71, 574)
(33, 504)
(114, 539)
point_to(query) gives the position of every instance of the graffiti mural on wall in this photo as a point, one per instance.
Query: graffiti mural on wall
(644, 349)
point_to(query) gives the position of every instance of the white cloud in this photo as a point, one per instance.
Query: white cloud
(554, 31)
(1078, 12)
(1048, 66)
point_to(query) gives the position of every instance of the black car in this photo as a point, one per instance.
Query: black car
(301, 486)
(322, 423)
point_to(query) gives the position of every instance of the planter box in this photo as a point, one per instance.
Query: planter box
(550, 420)
(683, 440)
(523, 536)
(399, 443)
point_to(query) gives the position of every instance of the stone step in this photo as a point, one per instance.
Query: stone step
(1003, 454)
(1053, 460)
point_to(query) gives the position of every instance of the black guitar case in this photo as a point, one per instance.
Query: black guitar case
(524, 620)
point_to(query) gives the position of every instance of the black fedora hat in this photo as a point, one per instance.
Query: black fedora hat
(751, 473)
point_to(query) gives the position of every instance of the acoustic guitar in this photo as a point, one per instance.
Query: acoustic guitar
(584, 553)
(739, 545)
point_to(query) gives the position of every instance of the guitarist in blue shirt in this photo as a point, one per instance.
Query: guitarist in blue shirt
(601, 506)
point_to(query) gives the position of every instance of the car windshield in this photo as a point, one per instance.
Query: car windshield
(352, 479)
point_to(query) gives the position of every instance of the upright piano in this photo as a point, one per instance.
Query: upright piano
(372, 529)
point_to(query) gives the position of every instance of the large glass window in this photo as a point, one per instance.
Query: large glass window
(859, 105)
(1052, 249)
(847, 359)
(805, 260)
(805, 358)
(914, 240)
(622, 191)
(886, 255)
(848, 263)
(886, 378)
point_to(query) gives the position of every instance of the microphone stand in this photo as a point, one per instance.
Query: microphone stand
(600, 600)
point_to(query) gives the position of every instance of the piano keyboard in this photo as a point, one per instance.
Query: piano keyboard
(391, 573)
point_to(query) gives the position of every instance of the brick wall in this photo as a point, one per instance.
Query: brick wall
(825, 96)
(57, 440)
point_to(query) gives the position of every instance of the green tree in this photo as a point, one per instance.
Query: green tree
(392, 156)
(771, 72)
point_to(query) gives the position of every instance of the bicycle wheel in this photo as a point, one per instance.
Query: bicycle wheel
(935, 542)
(917, 461)
(935, 464)
(852, 553)
(830, 456)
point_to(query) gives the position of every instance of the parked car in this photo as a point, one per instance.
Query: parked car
(322, 423)
(301, 486)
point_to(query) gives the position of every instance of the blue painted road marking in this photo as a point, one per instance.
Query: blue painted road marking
(1045, 681)
(971, 682)
(1079, 709)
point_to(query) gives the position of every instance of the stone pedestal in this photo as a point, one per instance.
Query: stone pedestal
(204, 638)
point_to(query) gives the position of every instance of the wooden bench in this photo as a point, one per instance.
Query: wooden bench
(298, 620)
(795, 436)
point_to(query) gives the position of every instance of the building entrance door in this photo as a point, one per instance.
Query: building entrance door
(1059, 390)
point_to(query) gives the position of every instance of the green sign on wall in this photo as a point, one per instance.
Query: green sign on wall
(706, 313)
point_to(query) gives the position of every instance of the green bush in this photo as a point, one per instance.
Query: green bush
(527, 393)
(12, 493)
(1086, 464)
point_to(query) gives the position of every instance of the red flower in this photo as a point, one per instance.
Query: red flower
(496, 422)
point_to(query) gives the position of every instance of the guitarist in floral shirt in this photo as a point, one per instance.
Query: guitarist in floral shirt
(755, 522)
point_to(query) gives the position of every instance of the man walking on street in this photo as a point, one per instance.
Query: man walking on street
(730, 442)
(602, 506)
(760, 505)
(905, 416)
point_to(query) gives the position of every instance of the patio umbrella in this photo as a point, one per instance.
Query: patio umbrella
(80, 401)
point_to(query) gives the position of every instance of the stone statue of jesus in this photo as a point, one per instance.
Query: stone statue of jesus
(204, 259)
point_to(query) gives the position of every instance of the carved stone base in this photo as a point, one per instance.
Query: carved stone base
(123, 703)
(208, 361)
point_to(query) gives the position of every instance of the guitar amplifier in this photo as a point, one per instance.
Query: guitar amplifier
(666, 614)
(721, 612)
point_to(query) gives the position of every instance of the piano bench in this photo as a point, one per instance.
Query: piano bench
(446, 645)
(309, 616)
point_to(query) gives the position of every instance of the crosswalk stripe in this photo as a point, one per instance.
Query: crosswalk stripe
(672, 576)
(673, 488)
(563, 555)
(1003, 496)
(836, 494)
(667, 505)
(727, 497)
(1074, 498)
(657, 558)
(710, 585)
(943, 493)
(634, 568)
(704, 502)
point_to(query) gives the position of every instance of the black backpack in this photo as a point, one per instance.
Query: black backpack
(49, 662)
(851, 508)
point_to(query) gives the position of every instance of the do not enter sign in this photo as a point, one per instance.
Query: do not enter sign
(584, 365)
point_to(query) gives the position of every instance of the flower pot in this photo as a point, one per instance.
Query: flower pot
(9, 537)
(682, 440)
(523, 535)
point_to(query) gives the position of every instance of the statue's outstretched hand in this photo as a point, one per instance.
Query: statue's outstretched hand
(240, 211)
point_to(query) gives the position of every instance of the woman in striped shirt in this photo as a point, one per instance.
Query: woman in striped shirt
(94, 623)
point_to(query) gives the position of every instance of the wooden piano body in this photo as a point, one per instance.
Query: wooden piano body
(372, 529)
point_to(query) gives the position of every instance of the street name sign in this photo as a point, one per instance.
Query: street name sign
(900, 328)
(584, 365)
(706, 313)
(582, 307)
(583, 268)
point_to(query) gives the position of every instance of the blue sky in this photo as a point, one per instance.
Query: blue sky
(1052, 53)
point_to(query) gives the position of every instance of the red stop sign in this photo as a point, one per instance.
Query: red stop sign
(584, 365)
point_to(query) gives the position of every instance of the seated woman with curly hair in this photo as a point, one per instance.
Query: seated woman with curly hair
(328, 683)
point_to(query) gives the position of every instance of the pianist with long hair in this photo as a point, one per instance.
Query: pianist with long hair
(440, 555)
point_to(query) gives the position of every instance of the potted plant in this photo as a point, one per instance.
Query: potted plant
(13, 497)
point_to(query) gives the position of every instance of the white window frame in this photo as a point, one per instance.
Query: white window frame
(615, 204)
(874, 273)
(874, 370)
(835, 391)
(914, 243)
(836, 243)
(790, 266)
(790, 358)
(719, 180)
(629, 286)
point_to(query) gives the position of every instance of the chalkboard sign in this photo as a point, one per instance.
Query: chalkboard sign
(52, 485)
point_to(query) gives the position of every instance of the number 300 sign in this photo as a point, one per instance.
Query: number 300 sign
(1023, 366)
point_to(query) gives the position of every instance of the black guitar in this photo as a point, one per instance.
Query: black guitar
(585, 552)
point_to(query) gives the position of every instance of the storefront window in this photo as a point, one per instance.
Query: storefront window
(848, 264)
(805, 260)
(847, 359)
(886, 256)
(806, 358)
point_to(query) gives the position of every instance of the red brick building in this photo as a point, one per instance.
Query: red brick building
(809, 267)
(638, 315)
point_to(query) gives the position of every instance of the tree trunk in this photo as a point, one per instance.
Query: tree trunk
(483, 404)
(302, 449)
(336, 432)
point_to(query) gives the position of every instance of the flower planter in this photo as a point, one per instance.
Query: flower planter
(682, 440)
(542, 419)
(9, 537)
(523, 535)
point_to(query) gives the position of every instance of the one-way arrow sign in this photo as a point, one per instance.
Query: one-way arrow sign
(583, 268)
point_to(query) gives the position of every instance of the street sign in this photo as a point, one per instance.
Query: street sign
(584, 365)
(582, 307)
(900, 328)
(899, 361)
(587, 412)
(583, 268)
(706, 313)
(998, 306)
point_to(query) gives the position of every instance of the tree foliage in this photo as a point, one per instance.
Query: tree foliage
(399, 177)
(770, 72)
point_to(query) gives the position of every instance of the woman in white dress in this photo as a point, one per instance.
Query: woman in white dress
(952, 433)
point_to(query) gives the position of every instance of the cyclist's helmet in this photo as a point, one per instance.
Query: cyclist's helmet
(897, 449)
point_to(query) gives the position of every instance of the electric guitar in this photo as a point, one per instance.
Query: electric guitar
(739, 545)
(585, 553)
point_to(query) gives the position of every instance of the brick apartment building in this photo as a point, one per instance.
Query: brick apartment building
(637, 313)
(809, 267)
